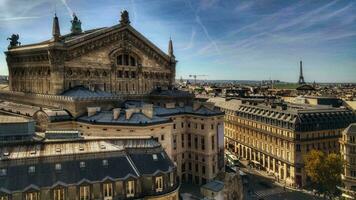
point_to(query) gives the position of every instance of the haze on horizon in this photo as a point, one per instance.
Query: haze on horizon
(224, 39)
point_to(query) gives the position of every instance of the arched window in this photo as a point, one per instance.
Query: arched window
(126, 59)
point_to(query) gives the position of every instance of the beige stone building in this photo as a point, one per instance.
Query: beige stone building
(274, 137)
(116, 59)
(189, 134)
(110, 83)
(348, 152)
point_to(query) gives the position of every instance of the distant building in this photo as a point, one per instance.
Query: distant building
(315, 100)
(274, 137)
(16, 129)
(213, 190)
(348, 152)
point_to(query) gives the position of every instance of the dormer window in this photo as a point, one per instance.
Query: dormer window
(159, 184)
(32, 196)
(82, 164)
(130, 188)
(105, 163)
(58, 167)
(3, 172)
(84, 192)
(31, 169)
(4, 197)
(155, 157)
(59, 194)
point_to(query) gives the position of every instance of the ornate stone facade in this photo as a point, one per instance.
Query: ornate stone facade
(116, 59)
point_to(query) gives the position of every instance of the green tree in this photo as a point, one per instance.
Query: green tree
(324, 171)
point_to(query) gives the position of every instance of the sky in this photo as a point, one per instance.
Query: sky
(222, 39)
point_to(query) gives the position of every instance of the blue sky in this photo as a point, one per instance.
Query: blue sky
(224, 39)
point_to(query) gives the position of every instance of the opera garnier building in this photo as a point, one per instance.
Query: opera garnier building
(109, 86)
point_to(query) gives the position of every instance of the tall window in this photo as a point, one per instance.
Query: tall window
(4, 197)
(130, 189)
(189, 140)
(213, 142)
(84, 192)
(58, 194)
(202, 143)
(32, 196)
(107, 190)
(171, 178)
(159, 184)
(182, 140)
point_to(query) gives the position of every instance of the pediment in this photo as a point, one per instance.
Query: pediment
(109, 39)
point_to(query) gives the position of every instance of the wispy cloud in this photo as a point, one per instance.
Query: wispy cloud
(191, 40)
(69, 10)
(243, 6)
(18, 18)
(204, 4)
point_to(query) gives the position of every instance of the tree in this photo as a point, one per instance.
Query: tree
(324, 171)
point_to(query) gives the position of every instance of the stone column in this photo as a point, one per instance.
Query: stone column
(56, 60)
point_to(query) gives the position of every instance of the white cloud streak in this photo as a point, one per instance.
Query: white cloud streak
(18, 18)
(70, 11)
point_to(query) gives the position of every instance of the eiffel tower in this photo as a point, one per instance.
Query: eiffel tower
(301, 77)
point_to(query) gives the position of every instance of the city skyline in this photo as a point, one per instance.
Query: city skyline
(243, 36)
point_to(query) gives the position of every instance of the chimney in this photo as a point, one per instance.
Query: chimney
(93, 110)
(196, 105)
(147, 110)
(171, 105)
(116, 113)
(130, 111)
(209, 105)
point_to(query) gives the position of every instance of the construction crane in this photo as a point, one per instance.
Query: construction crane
(195, 77)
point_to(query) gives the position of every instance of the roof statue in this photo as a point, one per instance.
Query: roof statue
(124, 18)
(14, 40)
(76, 25)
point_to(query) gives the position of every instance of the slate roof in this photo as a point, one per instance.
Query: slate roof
(45, 175)
(82, 92)
(106, 117)
(214, 185)
(141, 162)
(124, 160)
(300, 117)
(202, 111)
(171, 93)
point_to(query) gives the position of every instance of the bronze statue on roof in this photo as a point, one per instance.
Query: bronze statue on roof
(125, 18)
(14, 40)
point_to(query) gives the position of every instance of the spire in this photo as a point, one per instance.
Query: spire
(76, 25)
(170, 48)
(301, 77)
(56, 33)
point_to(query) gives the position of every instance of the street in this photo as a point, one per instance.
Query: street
(259, 187)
